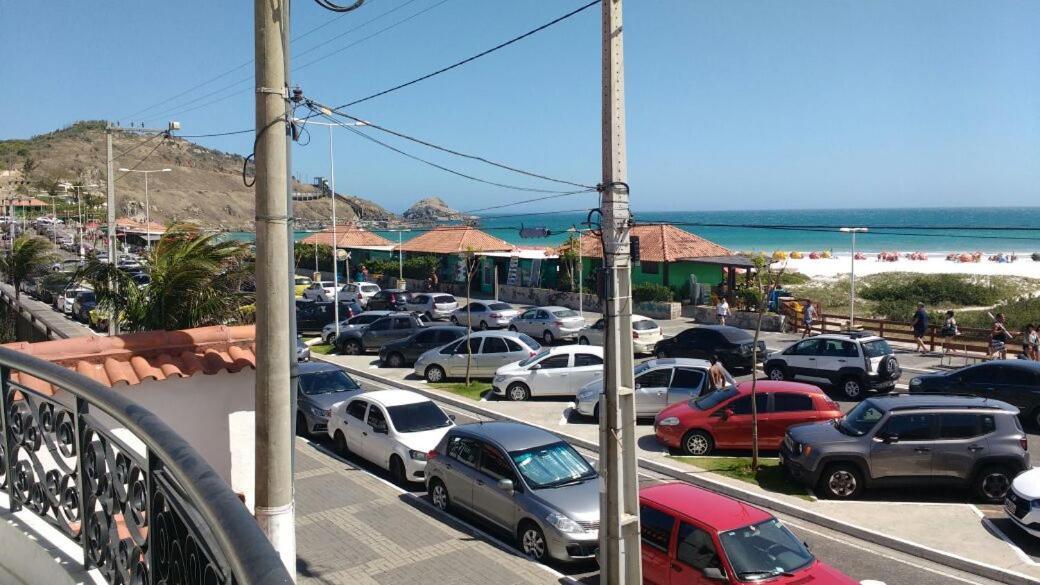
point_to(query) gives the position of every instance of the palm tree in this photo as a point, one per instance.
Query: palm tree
(195, 281)
(30, 255)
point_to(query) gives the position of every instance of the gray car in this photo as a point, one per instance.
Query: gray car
(910, 440)
(373, 336)
(322, 386)
(549, 323)
(328, 332)
(525, 480)
(659, 382)
(489, 350)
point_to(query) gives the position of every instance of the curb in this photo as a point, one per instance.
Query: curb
(937, 556)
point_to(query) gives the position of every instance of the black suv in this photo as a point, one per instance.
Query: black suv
(733, 346)
(905, 439)
(381, 331)
(312, 316)
(1016, 382)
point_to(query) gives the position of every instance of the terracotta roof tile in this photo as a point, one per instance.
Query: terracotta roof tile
(347, 237)
(455, 240)
(153, 355)
(660, 243)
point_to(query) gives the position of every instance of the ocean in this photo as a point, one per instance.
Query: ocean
(903, 230)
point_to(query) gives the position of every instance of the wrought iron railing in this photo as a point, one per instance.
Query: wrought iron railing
(143, 504)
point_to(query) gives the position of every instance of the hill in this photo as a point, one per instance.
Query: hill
(205, 185)
(431, 209)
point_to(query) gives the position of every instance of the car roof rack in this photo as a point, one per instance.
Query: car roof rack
(854, 334)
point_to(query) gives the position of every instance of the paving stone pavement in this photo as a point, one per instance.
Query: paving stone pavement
(351, 527)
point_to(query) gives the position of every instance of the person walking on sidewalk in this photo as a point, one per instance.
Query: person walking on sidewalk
(1031, 343)
(999, 336)
(722, 310)
(920, 325)
(808, 316)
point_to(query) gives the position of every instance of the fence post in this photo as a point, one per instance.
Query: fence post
(931, 341)
(881, 328)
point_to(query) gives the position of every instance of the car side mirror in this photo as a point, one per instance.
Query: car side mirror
(506, 485)
(451, 417)
(536, 367)
(714, 573)
(726, 414)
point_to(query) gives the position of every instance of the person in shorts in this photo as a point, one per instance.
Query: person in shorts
(920, 325)
(808, 316)
(1031, 342)
(716, 374)
(999, 336)
(722, 310)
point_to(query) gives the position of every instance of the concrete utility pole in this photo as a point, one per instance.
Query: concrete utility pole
(274, 439)
(113, 320)
(619, 497)
(852, 281)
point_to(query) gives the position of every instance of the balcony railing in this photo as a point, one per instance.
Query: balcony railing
(110, 475)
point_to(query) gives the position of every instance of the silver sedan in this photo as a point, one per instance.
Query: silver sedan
(485, 315)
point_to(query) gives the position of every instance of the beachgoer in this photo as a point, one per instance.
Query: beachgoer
(920, 325)
(949, 329)
(364, 272)
(716, 374)
(808, 316)
(722, 310)
(999, 336)
(1032, 342)
(359, 276)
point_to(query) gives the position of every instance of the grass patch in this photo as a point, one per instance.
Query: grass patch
(474, 390)
(322, 348)
(769, 476)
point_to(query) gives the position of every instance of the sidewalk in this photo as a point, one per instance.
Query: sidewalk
(352, 527)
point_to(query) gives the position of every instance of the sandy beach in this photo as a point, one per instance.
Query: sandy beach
(935, 264)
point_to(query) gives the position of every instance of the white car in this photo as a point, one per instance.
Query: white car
(485, 315)
(393, 429)
(320, 290)
(66, 298)
(555, 371)
(549, 323)
(645, 334)
(1023, 501)
(359, 292)
(433, 305)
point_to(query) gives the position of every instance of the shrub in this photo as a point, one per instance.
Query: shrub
(418, 267)
(749, 299)
(935, 289)
(648, 292)
(794, 278)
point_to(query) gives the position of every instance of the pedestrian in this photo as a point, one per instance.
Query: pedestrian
(360, 275)
(920, 325)
(722, 310)
(999, 336)
(716, 374)
(364, 272)
(808, 316)
(1031, 342)
(949, 330)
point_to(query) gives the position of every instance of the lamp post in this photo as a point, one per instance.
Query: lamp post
(581, 269)
(852, 277)
(79, 205)
(147, 208)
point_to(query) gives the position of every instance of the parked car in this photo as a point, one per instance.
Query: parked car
(523, 479)
(1016, 382)
(722, 420)
(433, 305)
(554, 371)
(381, 331)
(1023, 501)
(321, 387)
(733, 346)
(659, 382)
(320, 290)
(852, 362)
(645, 334)
(403, 352)
(357, 321)
(391, 299)
(313, 316)
(485, 315)
(83, 305)
(693, 535)
(303, 351)
(67, 298)
(489, 350)
(549, 323)
(395, 429)
(359, 292)
(913, 440)
(302, 282)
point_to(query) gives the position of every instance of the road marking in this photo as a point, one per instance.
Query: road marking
(995, 531)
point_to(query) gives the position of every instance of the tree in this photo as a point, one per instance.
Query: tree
(196, 280)
(568, 260)
(470, 259)
(765, 282)
(30, 256)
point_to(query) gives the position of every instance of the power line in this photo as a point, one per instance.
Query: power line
(826, 227)
(523, 201)
(474, 57)
(136, 146)
(144, 158)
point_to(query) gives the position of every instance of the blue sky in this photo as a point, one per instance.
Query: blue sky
(731, 103)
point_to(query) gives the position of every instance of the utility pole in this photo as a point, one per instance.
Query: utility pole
(274, 439)
(852, 276)
(620, 559)
(113, 320)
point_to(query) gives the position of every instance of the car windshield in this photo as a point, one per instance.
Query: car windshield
(417, 417)
(565, 314)
(327, 382)
(86, 298)
(644, 324)
(876, 348)
(369, 288)
(499, 307)
(529, 341)
(860, 420)
(713, 399)
(764, 550)
(553, 465)
(534, 358)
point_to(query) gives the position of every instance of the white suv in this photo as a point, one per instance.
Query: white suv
(320, 290)
(852, 362)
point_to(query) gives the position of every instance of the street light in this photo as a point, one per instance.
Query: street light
(79, 204)
(852, 279)
(147, 208)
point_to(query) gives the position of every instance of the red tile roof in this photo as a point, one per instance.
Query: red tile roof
(129, 225)
(348, 237)
(455, 240)
(26, 202)
(153, 355)
(660, 243)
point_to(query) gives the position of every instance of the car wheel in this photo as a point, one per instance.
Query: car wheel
(776, 373)
(547, 337)
(852, 387)
(330, 338)
(454, 320)
(483, 326)
(661, 354)
(439, 495)
(697, 443)
(397, 472)
(301, 425)
(532, 542)
(841, 482)
(513, 328)
(394, 360)
(595, 411)
(434, 374)
(518, 391)
(992, 483)
(340, 442)
(352, 348)
(583, 340)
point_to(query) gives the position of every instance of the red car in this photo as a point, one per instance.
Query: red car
(691, 536)
(722, 419)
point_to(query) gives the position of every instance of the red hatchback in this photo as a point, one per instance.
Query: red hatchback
(722, 419)
(691, 536)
